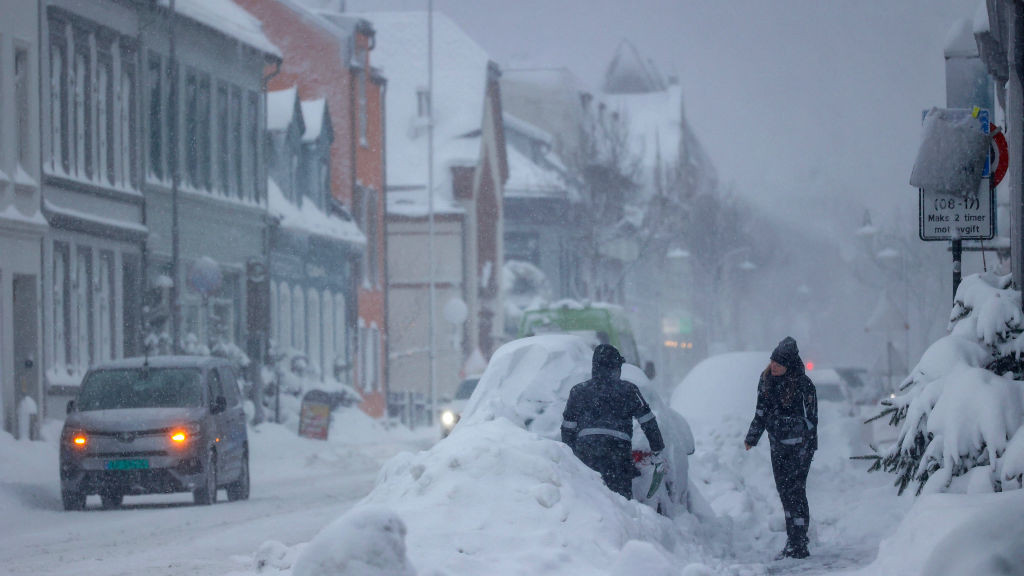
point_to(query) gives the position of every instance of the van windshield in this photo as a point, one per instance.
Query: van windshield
(140, 388)
(466, 388)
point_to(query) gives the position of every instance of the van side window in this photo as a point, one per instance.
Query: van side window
(215, 387)
(230, 385)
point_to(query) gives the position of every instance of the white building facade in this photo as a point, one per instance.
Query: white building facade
(22, 225)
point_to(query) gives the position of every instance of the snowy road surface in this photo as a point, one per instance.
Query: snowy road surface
(296, 491)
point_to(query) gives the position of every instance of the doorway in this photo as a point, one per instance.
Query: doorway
(25, 316)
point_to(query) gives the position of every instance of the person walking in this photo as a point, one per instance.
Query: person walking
(598, 422)
(787, 407)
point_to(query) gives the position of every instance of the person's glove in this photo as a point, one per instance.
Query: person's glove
(657, 459)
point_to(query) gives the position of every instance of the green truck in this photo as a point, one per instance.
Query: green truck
(598, 323)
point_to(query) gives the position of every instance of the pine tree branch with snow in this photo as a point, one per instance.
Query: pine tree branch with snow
(961, 410)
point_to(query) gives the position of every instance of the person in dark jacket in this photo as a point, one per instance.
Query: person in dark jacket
(598, 422)
(787, 407)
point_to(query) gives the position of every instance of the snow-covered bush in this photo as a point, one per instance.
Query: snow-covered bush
(295, 374)
(962, 407)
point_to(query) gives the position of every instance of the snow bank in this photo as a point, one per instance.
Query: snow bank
(955, 534)
(718, 398)
(492, 482)
(503, 495)
(528, 381)
(367, 541)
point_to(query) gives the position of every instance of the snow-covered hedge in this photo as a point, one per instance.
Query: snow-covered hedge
(961, 410)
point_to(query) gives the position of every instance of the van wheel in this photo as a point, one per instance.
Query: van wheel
(111, 499)
(207, 494)
(239, 489)
(73, 500)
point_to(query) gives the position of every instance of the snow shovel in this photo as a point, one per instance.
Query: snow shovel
(659, 473)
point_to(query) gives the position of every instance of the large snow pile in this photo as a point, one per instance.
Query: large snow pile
(528, 382)
(961, 411)
(956, 534)
(502, 495)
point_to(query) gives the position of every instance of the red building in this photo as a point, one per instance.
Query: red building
(327, 56)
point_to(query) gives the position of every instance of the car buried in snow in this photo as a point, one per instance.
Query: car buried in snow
(155, 425)
(451, 412)
(528, 381)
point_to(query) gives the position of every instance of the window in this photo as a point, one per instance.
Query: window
(223, 176)
(340, 336)
(366, 214)
(59, 99)
(21, 84)
(105, 114)
(83, 105)
(203, 134)
(364, 357)
(216, 390)
(61, 306)
(83, 309)
(236, 141)
(327, 326)
(252, 143)
(313, 327)
(156, 116)
(275, 314)
(422, 102)
(371, 236)
(299, 320)
(524, 246)
(361, 87)
(105, 294)
(128, 176)
(192, 122)
(285, 338)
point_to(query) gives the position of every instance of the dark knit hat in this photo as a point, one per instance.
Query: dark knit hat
(787, 354)
(606, 356)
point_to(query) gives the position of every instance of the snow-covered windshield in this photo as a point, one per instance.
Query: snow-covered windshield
(141, 388)
(466, 388)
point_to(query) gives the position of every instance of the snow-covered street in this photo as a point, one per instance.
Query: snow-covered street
(299, 485)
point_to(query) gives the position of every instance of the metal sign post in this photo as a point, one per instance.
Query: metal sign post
(968, 216)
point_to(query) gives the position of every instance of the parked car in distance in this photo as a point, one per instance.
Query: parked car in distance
(451, 413)
(157, 425)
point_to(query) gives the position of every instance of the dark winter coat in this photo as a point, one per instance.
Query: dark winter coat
(598, 421)
(787, 407)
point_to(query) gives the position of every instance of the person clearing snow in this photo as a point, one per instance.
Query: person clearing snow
(598, 423)
(787, 406)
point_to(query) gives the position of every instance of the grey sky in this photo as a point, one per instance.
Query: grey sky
(801, 103)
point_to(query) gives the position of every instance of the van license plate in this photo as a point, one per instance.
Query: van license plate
(127, 464)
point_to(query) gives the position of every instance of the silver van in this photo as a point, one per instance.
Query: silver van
(157, 425)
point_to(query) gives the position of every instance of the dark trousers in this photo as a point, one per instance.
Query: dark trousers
(612, 458)
(790, 465)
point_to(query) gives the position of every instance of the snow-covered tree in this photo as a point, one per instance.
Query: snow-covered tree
(960, 412)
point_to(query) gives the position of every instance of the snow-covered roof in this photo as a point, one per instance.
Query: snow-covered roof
(460, 83)
(529, 180)
(527, 129)
(313, 112)
(628, 72)
(281, 108)
(310, 219)
(227, 18)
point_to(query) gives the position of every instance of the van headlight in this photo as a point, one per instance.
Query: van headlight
(448, 418)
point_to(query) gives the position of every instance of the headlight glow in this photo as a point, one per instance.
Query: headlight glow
(79, 440)
(448, 418)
